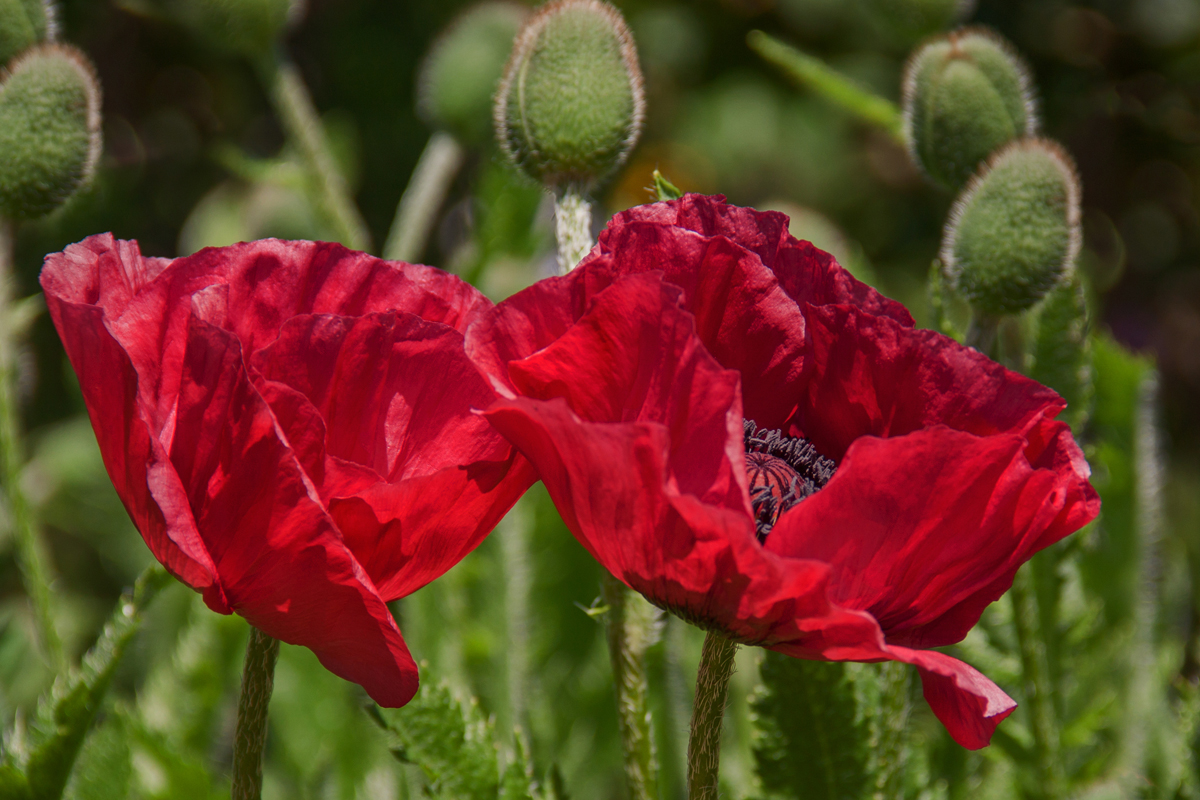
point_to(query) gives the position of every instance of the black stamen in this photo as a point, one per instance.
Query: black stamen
(783, 470)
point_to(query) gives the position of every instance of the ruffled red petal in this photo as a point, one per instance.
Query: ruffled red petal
(224, 468)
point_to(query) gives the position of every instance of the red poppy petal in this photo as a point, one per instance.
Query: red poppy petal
(916, 525)
(870, 376)
(807, 274)
(396, 393)
(410, 533)
(744, 318)
(281, 560)
(634, 356)
(966, 702)
(136, 462)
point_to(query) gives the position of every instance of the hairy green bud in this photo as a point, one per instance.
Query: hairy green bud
(459, 75)
(911, 20)
(49, 129)
(246, 27)
(965, 96)
(1014, 232)
(569, 108)
(24, 23)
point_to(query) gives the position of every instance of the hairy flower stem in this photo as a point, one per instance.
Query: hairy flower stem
(30, 559)
(573, 228)
(708, 711)
(981, 333)
(440, 162)
(817, 76)
(258, 679)
(631, 630)
(303, 127)
(1037, 688)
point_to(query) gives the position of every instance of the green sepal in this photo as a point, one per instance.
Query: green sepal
(664, 189)
(459, 75)
(570, 106)
(1062, 352)
(23, 23)
(49, 130)
(965, 96)
(1014, 232)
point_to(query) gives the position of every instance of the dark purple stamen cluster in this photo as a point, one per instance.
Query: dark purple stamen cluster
(782, 471)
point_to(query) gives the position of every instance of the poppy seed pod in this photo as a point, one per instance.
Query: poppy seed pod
(49, 129)
(911, 20)
(965, 95)
(461, 70)
(569, 108)
(24, 23)
(1014, 233)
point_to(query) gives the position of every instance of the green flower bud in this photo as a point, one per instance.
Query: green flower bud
(459, 76)
(24, 23)
(912, 20)
(569, 108)
(246, 27)
(965, 96)
(49, 129)
(1062, 354)
(1014, 232)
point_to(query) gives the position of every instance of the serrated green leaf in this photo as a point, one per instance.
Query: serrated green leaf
(517, 783)
(104, 768)
(451, 743)
(1062, 354)
(812, 741)
(64, 718)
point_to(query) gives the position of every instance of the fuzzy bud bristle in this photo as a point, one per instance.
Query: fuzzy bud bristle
(49, 129)
(570, 106)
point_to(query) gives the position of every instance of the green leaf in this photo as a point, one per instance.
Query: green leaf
(517, 783)
(451, 743)
(1062, 354)
(104, 768)
(64, 718)
(812, 741)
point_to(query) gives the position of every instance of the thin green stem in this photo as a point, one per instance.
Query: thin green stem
(819, 77)
(1037, 690)
(303, 126)
(981, 334)
(258, 679)
(573, 227)
(630, 631)
(708, 711)
(30, 558)
(436, 169)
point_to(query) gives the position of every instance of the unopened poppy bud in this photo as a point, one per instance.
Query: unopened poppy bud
(569, 108)
(911, 20)
(1014, 232)
(49, 129)
(24, 23)
(247, 27)
(965, 96)
(459, 75)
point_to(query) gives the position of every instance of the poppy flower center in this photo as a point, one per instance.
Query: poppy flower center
(782, 471)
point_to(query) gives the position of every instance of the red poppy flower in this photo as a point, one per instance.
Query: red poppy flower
(748, 436)
(290, 426)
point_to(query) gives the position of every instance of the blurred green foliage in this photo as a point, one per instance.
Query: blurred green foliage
(195, 156)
